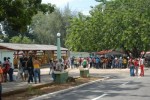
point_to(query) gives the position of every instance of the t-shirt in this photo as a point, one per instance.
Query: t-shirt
(124, 61)
(36, 64)
(141, 61)
(84, 62)
(136, 63)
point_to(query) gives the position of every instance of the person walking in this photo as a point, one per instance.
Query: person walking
(30, 69)
(36, 65)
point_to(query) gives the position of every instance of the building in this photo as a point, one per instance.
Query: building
(43, 52)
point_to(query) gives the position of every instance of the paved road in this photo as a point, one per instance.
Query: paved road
(120, 87)
(46, 78)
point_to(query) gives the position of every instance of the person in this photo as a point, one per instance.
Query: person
(20, 70)
(11, 70)
(84, 63)
(54, 69)
(50, 66)
(6, 68)
(24, 65)
(59, 65)
(113, 63)
(1, 80)
(97, 62)
(72, 62)
(136, 64)
(65, 64)
(141, 66)
(124, 62)
(120, 62)
(36, 65)
(30, 69)
(104, 63)
(131, 66)
(90, 62)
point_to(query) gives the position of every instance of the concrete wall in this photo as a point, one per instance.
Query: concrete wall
(6, 53)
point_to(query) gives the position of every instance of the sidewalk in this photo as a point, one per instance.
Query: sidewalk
(10, 87)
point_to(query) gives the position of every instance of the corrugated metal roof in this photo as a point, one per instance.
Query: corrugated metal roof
(14, 46)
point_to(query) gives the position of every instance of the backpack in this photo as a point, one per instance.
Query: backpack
(6, 67)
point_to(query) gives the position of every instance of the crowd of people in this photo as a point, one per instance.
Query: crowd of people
(136, 65)
(99, 62)
(28, 68)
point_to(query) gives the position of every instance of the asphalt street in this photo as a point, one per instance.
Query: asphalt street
(118, 87)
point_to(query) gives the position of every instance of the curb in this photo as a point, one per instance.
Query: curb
(46, 96)
(24, 89)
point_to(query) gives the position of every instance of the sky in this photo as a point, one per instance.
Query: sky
(75, 5)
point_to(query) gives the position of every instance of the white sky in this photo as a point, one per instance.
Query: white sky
(75, 5)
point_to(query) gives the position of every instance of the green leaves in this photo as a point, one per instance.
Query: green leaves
(19, 13)
(124, 23)
(20, 39)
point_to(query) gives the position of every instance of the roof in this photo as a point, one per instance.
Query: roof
(14, 46)
(103, 52)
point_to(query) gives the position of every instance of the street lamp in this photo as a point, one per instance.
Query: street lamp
(58, 47)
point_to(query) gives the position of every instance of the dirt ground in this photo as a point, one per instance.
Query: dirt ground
(31, 93)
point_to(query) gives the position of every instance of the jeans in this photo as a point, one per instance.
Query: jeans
(30, 71)
(120, 65)
(10, 72)
(97, 65)
(37, 74)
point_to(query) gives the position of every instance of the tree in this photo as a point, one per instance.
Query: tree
(45, 27)
(17, 14)
(18, 39)
(124, 24)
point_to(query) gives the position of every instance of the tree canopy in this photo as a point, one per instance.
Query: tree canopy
(123, 24)
(18, 13)
(45, 27)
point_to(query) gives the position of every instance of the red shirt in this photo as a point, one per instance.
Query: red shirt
(136, 63)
